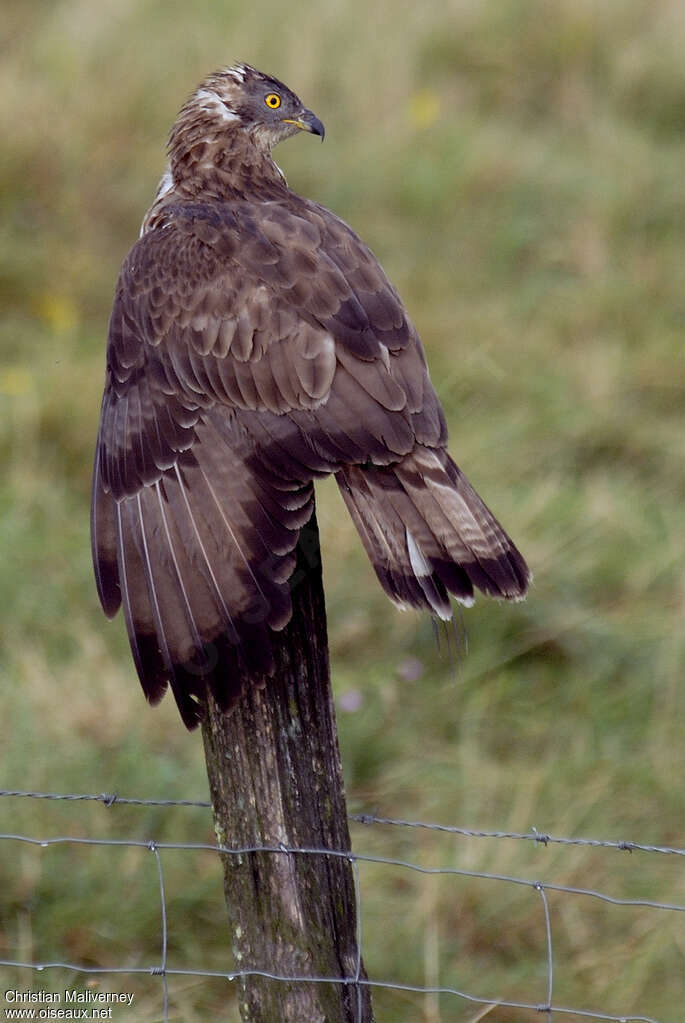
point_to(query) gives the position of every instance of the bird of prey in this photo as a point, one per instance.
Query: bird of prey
(256, 344)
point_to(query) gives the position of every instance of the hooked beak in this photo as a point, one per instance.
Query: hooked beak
(307, 121)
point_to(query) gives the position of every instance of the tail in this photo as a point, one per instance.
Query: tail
(428, 533)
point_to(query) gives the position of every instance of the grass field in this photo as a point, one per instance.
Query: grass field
(518, 167)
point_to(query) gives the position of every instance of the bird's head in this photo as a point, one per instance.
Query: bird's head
(242, 100)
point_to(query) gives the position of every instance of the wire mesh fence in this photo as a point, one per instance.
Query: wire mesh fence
(544, 1005)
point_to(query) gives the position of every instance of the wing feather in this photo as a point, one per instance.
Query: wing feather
(103, 534)
(138, 613)
(253, 347)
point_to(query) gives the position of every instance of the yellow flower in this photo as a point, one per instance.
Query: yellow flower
(424, 108)
(14, 381)
(58, 311)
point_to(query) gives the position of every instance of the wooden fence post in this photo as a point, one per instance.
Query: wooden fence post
(275, 779)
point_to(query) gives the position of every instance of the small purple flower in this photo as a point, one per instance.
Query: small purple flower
(410, 669)
(351, 700)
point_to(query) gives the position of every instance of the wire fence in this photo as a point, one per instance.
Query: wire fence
(162, 968)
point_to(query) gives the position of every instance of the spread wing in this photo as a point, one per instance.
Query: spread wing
(252, 347)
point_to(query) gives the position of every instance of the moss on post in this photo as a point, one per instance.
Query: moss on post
(275, 779)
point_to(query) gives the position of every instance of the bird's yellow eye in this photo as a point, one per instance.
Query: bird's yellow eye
(273, 100)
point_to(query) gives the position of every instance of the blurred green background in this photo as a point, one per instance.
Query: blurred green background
(519, 169)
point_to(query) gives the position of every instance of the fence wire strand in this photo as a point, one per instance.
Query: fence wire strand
(162, 898)
(356, 981)
(542, 838)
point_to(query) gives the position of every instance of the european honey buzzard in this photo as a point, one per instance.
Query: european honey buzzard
(255, 344)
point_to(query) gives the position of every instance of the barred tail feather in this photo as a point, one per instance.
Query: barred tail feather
(428, 534)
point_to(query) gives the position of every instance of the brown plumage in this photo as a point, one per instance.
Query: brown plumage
(255, 344)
